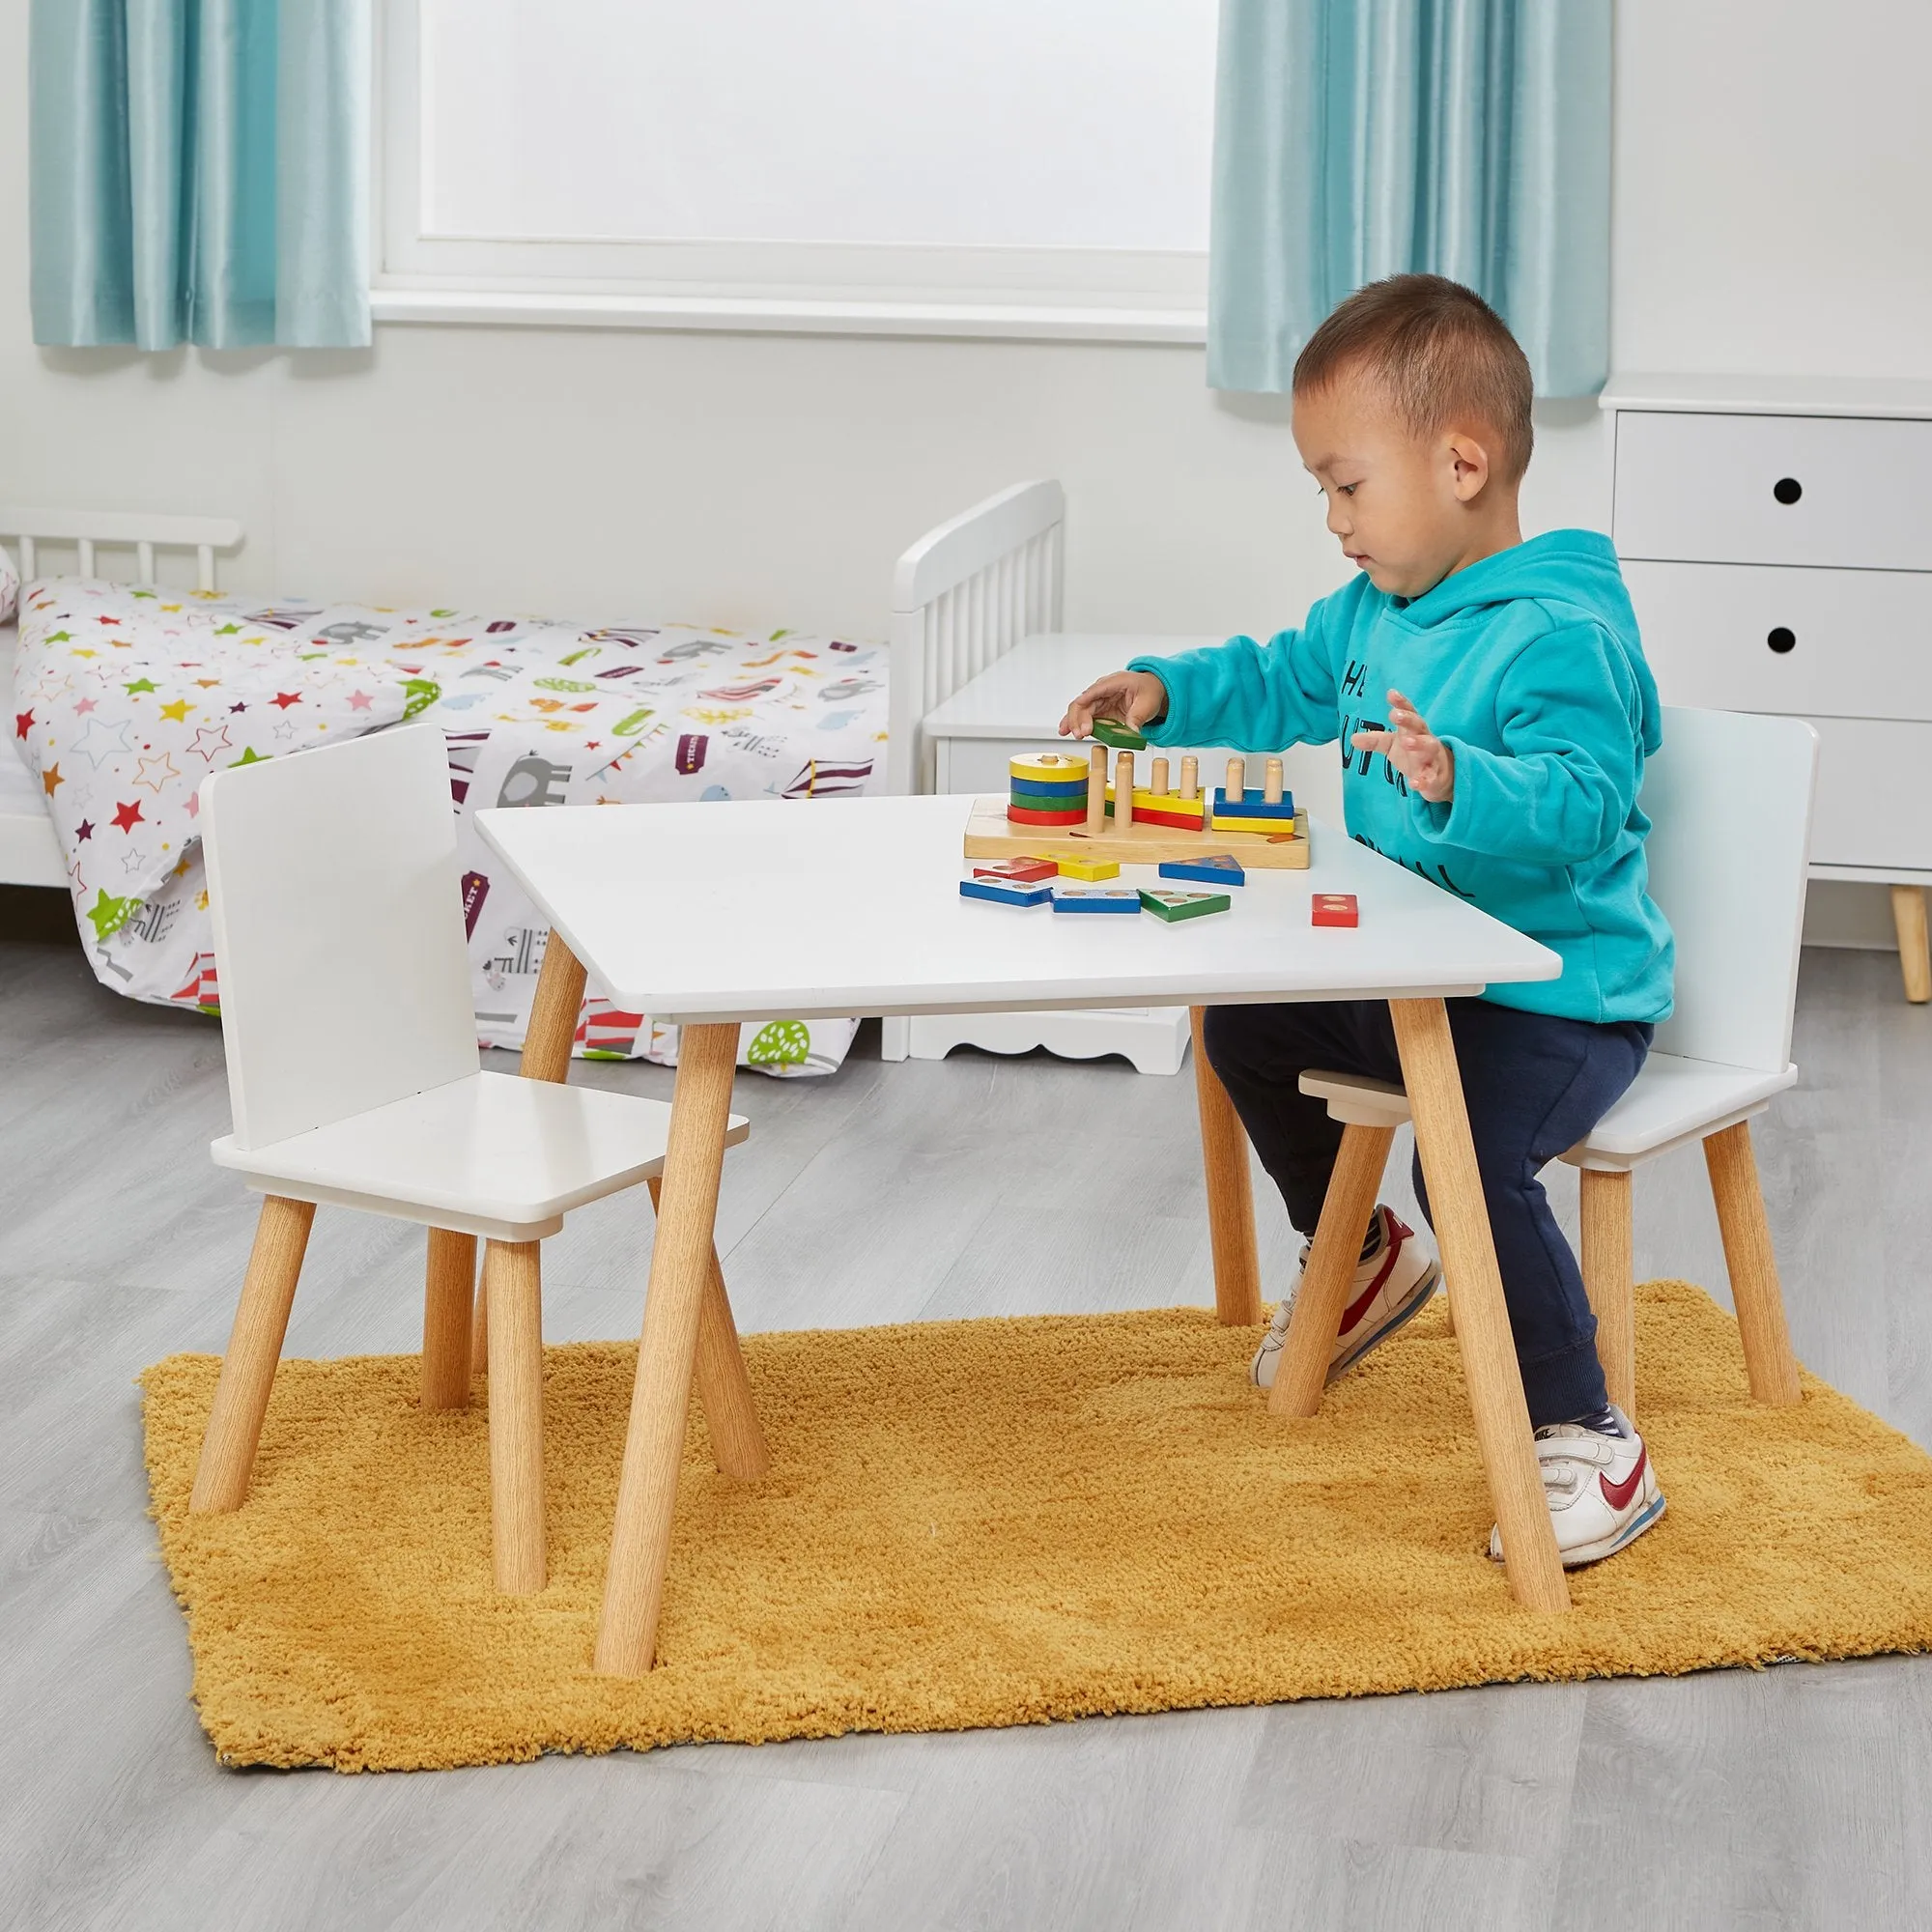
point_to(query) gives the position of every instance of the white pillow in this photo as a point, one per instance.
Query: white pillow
(10, 588)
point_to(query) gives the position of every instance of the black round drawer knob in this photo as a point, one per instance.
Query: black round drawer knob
(1787, 490)
(1781, 641)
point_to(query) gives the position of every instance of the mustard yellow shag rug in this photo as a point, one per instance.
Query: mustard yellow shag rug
(998, 1522)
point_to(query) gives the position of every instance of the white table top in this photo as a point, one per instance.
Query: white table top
(1035, 679)
(771, 909)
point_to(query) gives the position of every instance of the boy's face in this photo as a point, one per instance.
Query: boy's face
(1406, 509)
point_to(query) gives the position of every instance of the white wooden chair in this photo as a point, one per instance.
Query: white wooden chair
(353, 1078)
(1730, 800)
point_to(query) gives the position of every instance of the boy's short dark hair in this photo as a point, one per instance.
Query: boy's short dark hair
(1440, 354)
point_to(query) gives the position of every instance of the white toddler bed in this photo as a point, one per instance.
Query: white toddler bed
(102, 801)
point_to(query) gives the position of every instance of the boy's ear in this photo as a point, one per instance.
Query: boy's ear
(1468, 466)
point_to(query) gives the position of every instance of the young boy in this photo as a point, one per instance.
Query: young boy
(1494, 711)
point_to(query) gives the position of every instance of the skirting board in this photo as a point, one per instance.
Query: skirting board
(1154, 1039)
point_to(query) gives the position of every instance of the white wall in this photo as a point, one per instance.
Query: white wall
(1771, 176)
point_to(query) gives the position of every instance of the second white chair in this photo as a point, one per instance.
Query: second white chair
(1730, 800)
(354, 1080)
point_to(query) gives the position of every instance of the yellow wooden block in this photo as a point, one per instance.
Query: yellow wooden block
(1089, 869)
(1047, 767)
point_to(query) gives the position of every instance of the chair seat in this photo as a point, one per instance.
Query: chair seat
(1673, 1101)
(492, 1155)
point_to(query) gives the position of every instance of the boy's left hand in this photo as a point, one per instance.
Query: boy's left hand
(1413, 749)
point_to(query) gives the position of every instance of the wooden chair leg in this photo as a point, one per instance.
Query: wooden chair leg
(479, 1335)
(1231, 1202)
(1769, 1363)
(513, 1282)
(449, 1290)
(1915, 958)
(1302, 1373)
(660, 1397)
(723, 1388)
(1435, 1088)
(254, 1347)
(1608, 1279)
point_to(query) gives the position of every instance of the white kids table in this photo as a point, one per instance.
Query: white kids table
(711, 916)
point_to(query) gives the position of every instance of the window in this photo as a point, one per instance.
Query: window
(975, 166)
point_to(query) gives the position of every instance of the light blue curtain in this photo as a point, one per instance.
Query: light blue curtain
(1360, 138)
(199, 172)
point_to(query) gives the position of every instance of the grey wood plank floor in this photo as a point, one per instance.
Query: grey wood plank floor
(1795, 1797)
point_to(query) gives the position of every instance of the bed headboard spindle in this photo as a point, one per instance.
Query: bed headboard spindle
(90, 531)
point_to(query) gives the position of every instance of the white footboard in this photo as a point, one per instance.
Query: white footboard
(964, 595)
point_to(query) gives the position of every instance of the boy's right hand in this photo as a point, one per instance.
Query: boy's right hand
(1135, 697)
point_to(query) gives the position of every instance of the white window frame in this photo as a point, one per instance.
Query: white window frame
(1089, 295)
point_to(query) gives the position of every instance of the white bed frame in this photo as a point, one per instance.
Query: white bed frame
(29, 853)
(963, 596)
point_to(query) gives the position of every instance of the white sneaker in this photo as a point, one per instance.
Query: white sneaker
(1602, 1490)
(1392, 1285)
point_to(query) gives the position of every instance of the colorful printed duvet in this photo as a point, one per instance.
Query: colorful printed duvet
(124, 699)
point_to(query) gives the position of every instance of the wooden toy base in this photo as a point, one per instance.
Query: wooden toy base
(991, 834)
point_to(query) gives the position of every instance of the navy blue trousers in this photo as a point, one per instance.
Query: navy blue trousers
(1535, 1086)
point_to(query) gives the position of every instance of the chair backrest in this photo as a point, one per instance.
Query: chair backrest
(339, 945)
(1730, 800)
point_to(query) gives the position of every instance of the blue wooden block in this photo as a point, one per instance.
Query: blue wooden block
(1211, 868)
(1100, 899)
(1008, 892)
(1252, 805)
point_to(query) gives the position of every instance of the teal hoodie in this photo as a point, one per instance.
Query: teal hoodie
(1527, 664)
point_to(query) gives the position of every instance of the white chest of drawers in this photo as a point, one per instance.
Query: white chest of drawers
(1776, 538)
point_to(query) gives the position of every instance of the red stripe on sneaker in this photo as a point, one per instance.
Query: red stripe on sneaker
(1618, 1494)
(1395, 1234)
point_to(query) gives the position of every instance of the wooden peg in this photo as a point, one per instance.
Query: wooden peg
(1157, 784)
(1238, 780)
(1190, 777)
(1272, 787)
(1096, 791)
(1123, 790)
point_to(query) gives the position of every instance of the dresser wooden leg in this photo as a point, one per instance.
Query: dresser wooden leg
(1769, 1363)
(1302, 1373)
(1435, 1088)
(1231, 1200)
(1915, 960)
(660, 1397)
(449, 1289)
(254, 1347)
(1607, 1279)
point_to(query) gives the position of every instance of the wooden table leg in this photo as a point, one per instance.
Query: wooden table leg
(254, 1347)
(1231, 1202)
(1914, 960)
(449, 1289)
(1769, 1363)
(723, 1388)
(552, 1031)
(1435, 1088)
(1609, 1278)
(737, 1440)
(513, 1283)
(1302, 1373)
(660, 1397)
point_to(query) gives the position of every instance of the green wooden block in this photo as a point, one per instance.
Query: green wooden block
(1110, 731)
(1171, 905)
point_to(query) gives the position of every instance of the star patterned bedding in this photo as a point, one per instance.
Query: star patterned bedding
(126, 698)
